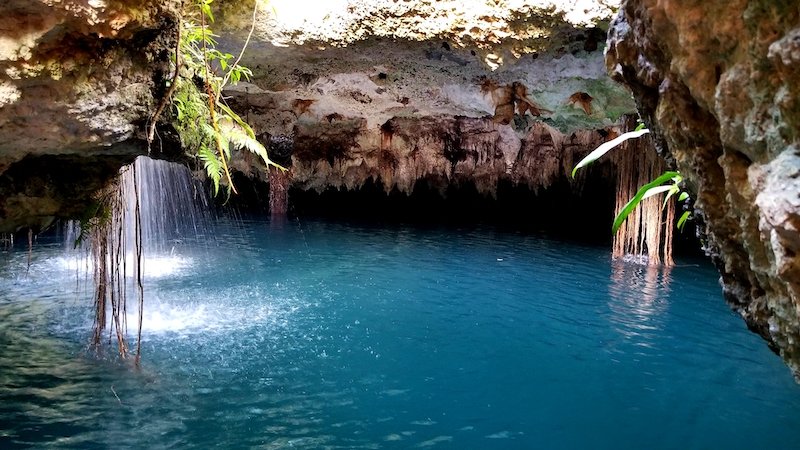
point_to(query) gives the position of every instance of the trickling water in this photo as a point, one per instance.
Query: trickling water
(174, 204)
(322, 335)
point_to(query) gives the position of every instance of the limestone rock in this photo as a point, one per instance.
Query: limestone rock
(77, 78)
(345, 151)
(519, 26)
(397, 91)
(719, 82)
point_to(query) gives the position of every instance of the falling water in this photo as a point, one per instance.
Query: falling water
(174, 206)
(151, 207)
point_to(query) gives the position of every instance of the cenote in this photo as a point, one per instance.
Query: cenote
(379, 224)
(311, 333)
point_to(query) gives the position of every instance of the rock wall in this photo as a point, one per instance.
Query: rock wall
(344, 152)
(502, 28)
(398, 92)
(719, 82)
(78, 79)
(406, 102)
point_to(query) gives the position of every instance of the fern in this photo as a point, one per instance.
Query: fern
(212, 165)
(241, 137)
(205, 123)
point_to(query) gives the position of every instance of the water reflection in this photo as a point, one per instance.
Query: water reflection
(638, 300)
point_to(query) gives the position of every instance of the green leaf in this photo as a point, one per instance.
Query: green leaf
(656, 190)
(241, 139)
(241, 136)
(605, 147)
(236, 118)
(206, 9)
(209, 131)
(682, 220)
(212, 165)
(683, 196)
(634, 202)
(639, 127)
(224, 146)
(180, 107)
(674, 189)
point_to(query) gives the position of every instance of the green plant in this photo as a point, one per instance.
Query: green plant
(669, 182)
(95, 216)
(203, 119)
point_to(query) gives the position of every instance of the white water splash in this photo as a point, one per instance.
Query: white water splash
(154, 266)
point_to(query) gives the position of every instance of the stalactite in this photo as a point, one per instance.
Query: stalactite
(279, 181)
(444, 150)
(647, 233)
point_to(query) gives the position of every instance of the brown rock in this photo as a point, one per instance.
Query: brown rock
(719, 83)
(78, 80)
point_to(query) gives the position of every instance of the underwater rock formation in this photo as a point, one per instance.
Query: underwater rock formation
(719, 83)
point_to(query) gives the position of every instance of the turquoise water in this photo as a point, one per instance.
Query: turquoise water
(307, 334)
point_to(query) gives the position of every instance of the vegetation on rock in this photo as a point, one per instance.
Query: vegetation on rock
(207, 125)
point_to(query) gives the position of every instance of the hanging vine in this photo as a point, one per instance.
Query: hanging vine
(114, 235)
(641, 226)
(206, 124)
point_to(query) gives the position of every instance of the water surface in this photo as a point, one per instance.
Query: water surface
(310, 334)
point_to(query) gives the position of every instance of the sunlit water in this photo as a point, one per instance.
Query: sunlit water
(308, 334)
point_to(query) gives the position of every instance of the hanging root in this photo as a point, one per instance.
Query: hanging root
(109, 238)
(139, 262)
(647, 232)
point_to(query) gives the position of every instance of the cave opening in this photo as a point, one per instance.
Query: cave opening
(560, 210)
(556, 210)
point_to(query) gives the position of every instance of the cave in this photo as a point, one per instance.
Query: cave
(372, 223)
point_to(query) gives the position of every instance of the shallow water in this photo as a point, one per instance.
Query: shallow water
(307, 334)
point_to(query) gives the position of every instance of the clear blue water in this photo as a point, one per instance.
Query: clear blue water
(307, 334)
